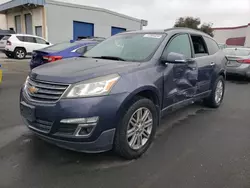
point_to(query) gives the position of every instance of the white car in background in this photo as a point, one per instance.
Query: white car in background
(19, 45)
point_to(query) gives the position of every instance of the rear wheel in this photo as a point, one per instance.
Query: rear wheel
(20, 53)
(136, 130)
(217, 94)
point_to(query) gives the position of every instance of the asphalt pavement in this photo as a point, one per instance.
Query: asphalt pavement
(195, 147)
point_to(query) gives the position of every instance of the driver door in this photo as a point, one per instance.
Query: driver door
(180, 78)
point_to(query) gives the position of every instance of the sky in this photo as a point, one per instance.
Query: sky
(163, 13)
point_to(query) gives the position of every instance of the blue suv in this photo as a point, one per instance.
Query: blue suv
(115, 95)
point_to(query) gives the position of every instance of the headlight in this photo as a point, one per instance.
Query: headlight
(26, 82)
(94, 87)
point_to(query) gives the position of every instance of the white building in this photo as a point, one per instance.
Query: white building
(239, 36)
(58, 21)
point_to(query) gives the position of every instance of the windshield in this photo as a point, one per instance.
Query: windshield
(237, 52)
(128, 47)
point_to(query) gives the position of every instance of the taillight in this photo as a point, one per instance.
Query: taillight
(52, 58)
(8, 43)
(247, 61)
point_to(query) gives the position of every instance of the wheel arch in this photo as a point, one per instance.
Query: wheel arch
(149, 92)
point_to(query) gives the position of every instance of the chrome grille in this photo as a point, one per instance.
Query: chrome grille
(44, 92)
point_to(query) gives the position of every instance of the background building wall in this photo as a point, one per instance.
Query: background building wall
(222, 34)
(3, 24)
(60, 19)
(37, 18)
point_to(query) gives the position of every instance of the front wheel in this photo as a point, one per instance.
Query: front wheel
(217, 94)
(137, 129)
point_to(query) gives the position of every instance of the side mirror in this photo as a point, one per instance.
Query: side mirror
(173, 57)
(47, 43)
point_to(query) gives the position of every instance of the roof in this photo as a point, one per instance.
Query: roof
(179, 29)
(93, 8)
(16, 3)
(230, 28)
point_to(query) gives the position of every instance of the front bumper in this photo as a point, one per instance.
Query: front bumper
(50, 116)
(242, 70)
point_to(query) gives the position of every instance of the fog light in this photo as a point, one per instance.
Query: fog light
(85, 125)
(80, 120)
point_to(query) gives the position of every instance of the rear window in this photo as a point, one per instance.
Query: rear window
(60, 46)
(6, 37)
(237, 52)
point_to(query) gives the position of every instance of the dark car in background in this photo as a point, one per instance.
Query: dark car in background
(238, 61)
(115, 96)
(61, 51)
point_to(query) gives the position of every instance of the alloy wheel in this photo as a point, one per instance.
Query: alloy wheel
(219, 92)
(139, 128)
(20, 54)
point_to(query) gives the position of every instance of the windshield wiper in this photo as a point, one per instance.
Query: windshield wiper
(110, 57)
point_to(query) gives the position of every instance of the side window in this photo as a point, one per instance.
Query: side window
(81, 50)
(40, 41)
(29, 39)
(179, 44)
(212, 46)
(21, 38)
(200, 48)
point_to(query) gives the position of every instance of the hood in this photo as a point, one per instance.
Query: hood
(79, 69)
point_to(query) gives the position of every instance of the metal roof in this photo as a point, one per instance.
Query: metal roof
(16, 3)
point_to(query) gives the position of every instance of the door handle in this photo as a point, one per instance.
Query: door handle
(212, 63)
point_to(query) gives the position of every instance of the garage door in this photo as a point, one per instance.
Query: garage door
(18, 24)
(115, 30)
(28, 24)
(82, 29)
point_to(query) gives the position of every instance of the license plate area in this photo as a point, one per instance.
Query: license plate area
(27, 111)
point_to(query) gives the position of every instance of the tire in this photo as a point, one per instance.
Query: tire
(122, 143)
(211, 101)
(9, 55)
(20, 53)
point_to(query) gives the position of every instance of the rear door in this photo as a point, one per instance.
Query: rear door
(205, 62)
(29, 43)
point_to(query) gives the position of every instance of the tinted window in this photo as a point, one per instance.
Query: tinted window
(6, 37)
(29, 39)
(211, 45)
(130, 47)
(40, 41)
(21, 38)
(81, 50)
(180, 44)
(199, 45)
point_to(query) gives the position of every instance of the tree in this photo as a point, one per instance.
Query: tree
(194, 23)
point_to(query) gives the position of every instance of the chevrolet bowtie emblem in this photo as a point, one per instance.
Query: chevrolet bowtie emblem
(33, 90)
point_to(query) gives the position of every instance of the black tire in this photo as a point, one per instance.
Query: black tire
(121, 145)
(18, 52)
(211, 101)
(9, 55)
